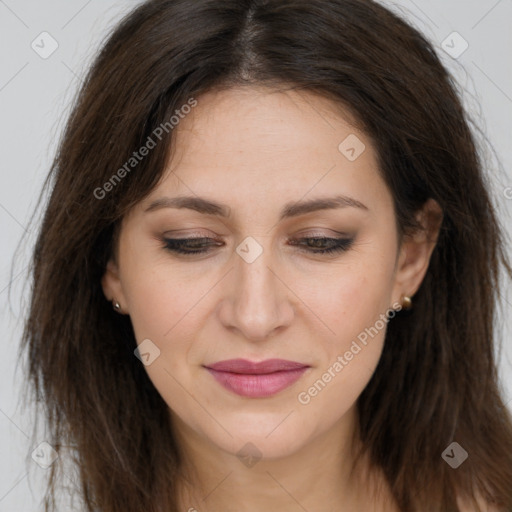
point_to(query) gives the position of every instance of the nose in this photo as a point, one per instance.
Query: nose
(257, 301)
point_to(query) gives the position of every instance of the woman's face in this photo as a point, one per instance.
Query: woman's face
(262, 290)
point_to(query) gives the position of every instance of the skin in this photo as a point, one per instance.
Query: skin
(254, 150)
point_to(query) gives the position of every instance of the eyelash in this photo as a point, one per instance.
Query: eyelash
(176, 245)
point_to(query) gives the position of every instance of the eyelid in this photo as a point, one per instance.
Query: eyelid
(332, 233)
(180, 233)
(339, 245)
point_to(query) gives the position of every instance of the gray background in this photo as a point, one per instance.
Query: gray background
(35, 94)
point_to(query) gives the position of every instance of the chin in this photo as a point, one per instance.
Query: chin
(263, 437)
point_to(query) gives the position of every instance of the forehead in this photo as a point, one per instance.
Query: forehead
(265, 145)
(244, 120)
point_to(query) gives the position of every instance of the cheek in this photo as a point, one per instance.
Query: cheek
(166, 310)
(156, 299)
(351, 299)
(162, 311)
(355, 305)
(357, 315)
(154, 309)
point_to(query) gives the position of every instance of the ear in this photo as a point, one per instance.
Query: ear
(416, 250)
(111, 284)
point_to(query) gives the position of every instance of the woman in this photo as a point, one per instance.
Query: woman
(283, 202)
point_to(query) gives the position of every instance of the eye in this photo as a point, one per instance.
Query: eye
(196, 245)
(334, 245)
(315, 245)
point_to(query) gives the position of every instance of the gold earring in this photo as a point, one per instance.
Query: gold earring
(406, 302)
(116, 306)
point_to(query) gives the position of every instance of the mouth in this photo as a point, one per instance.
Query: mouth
(257, 380)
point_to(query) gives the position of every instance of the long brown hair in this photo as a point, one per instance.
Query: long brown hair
(436, 381)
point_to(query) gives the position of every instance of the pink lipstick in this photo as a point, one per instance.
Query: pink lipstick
(256, 380)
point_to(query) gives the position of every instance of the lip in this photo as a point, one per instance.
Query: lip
(256, 379)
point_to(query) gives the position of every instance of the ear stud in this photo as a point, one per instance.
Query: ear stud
(406, 302)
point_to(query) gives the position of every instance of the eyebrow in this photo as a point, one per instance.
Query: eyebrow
(291, 209)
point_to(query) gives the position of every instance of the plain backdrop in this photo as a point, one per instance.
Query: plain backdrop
(36, 89)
